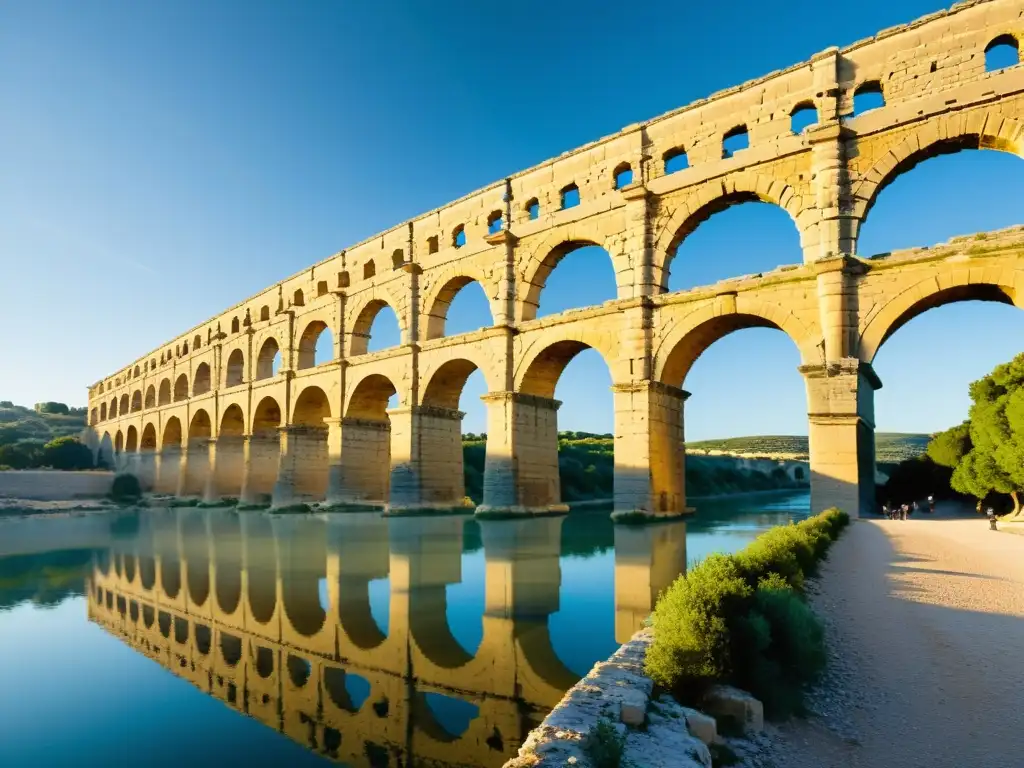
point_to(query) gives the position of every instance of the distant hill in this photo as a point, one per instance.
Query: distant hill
(890, 447)
(20, 425)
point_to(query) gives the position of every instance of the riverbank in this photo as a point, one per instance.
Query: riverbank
(921, 618)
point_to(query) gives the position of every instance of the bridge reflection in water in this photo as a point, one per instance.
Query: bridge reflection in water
(235, 604)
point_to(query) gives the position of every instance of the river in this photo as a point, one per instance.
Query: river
(205, 637)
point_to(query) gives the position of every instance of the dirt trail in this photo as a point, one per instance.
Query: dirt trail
(925, 620)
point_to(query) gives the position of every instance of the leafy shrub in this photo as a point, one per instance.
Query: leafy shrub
(125, 488)
(66, 453)
(742, 619)
(606, 745)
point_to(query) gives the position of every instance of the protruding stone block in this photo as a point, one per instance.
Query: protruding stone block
(726, 701)
(700, 725)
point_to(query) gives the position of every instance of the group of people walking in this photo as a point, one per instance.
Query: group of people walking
(903, 511)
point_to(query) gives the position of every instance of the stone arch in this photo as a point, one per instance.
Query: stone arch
(124, 405)
(955, 133)
(136, 400)
(232, 423)
(959, 285)
(365, 316)
(685, 340)
(164, 397)
(308, 343)
(534, 270)
(148, 438)
(261, 569)
(226, 534)
(369, 398)
(311, 407)
(234, 371)
(181, 388)
(542, 363)
(119, 442)
(113, 408)
(715, 197)
(172, 433)
(105, 451)
(444, 386)
(265, 358)
(200, 427)
(150, 397)
(201, 380)
(267, 416)
(103, 411)
(442, 293)
(131, 442)
(195, 543)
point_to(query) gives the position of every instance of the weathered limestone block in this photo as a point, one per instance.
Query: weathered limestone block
(703, 726)
(726, 701)
(360, 468)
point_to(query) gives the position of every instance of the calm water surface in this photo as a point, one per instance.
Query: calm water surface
(204, 637)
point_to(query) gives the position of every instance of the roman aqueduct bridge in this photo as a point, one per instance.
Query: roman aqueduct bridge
(207, 413)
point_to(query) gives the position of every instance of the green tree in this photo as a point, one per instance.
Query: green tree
(66, 453)
(52, 407)
(948, 448)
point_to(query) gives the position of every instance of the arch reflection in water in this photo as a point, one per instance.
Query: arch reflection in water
(239, 612)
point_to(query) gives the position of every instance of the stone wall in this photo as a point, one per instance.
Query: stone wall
(54, 485)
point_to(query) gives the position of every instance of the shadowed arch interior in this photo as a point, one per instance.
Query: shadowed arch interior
(355, 614)
(137, 400)
(148, 438)
(201, 383)
(311, 471)
(150, 396)
(197, 557)
(119, 442)
(113, 408)
(437, 315)
(172, 433)
(232, 423)
(370, 398)
(131, 443)
(234, 372)
(165, 392)
(261, 569)
(181, 388)
(123, 404)
(265, 358)
(200, 427)
(311, 408)
(267, 417)
(226, 533)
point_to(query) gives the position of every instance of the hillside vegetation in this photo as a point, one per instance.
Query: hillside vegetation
(890, 447)
(42, 436)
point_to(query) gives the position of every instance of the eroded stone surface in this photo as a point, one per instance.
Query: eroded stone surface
(740, 706)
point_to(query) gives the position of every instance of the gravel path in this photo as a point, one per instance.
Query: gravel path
(926, 636)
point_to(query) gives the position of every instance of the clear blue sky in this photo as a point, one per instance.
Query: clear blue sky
(162, 161)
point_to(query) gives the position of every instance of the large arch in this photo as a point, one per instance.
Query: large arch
(267, 417)
(537, 268)
(264, 447)
(197, 468)
(960, 285)
(172, 433)
(200, 427)
(955, 133)
(150, 397)
(131, 442)
(105, 451)
(229, 468)
(148, 438)
(364, 321)
(234, 370)
(366, 472)
(113, 408)
(538, 370)
(370, 397)
(265, 358)
(444, 386)
(310, 339)
(704, 202)
(441, 295)
(119, 442)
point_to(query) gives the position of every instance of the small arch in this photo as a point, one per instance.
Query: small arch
(93, 416)
(200, 427)
(803, 116)
(622, 175)
(735, 140)
(265, 359)
(131, 443)
(234, 372)
(321, 288)
(136, 400)
(570, 196)
(675, 160)
(397, 259)
(184, 349)
(113, 408)
(137, 372)
(150, 397)
(459, 236)
(123, 405)
(164, 397)
(1002, 52)
(235, 326)
(197, 342)
(432, 244)
(103, 411)
(868, 96)
(181, 388)
(532, 208)
(148, 438)
(343, 279)
(316, 345)
(369, 399)
(369, 270)
(201, 382)
(298, 300)
(311, 408)
(494, 222)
